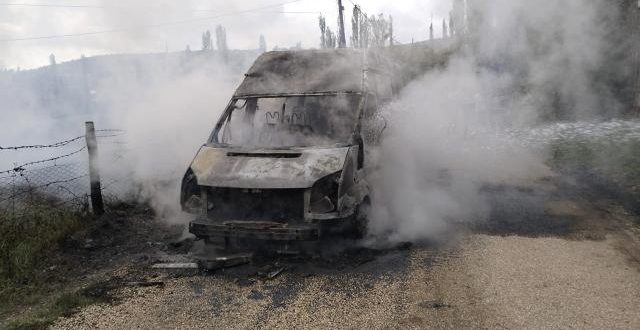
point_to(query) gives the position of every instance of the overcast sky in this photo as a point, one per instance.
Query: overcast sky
(281, 22)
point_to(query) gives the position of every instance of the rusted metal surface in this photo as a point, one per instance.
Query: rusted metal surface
(224, 261)
(255, 205)
(252, 189)
(274, 232)
(303, 72)
(174, 265)
(259, 169)
(254, 224)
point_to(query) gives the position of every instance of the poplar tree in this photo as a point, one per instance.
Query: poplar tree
(207, 44)
(221, 41)
(445, 33)
(263, 44)
(322, 23)
(356, 21)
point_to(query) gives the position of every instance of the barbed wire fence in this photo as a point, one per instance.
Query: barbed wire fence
(59, 177)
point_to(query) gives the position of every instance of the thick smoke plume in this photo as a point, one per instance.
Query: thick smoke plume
(166, 104)
(166, 126)
(523, 63)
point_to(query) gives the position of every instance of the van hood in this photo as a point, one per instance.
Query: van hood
(266, 168)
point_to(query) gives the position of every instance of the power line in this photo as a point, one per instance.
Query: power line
(5, 4)
(269, 12)
(42, 5)
(359, 8)
(357, 5)
(150, 26)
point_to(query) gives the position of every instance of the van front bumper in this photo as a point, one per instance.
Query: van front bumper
(262, 230)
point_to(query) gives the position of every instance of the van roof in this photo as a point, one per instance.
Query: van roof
(304, 71)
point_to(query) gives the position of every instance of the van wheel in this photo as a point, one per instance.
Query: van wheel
(361, 218)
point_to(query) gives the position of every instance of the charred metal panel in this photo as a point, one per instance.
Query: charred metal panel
(277, 205)
(260, 169)
(256, 231)
(303, 72)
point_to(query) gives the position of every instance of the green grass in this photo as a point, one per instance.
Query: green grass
(31, 295)
(28, 238)
(31, 236)
(65, 305)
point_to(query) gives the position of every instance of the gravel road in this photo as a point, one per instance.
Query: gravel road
(575, 267)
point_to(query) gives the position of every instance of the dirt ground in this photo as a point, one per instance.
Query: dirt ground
(550, 256)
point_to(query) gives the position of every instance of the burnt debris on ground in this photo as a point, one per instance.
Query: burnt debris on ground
(569, 206)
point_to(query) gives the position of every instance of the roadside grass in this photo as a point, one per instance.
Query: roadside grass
(28, 238)
(64, 305)
(40, 278)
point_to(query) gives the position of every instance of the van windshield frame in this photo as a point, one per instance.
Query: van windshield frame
(319, 119)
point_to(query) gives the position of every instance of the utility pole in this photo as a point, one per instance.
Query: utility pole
(636, 35)
(342, 40)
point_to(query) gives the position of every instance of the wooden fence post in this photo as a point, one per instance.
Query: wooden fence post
(94, 174)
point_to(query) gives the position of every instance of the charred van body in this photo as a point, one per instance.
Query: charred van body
(286, 161)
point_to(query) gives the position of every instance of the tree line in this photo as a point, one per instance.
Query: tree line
(367, 31)
(377, 30)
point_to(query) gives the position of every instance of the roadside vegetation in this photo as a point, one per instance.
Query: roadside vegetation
(30, 236)
(64, 304)
(55, 260)
(27, 239)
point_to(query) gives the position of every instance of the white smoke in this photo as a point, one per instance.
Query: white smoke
(166, 123)
(524, 60)
(166, 104)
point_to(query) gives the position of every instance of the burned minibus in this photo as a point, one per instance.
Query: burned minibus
(286, 162)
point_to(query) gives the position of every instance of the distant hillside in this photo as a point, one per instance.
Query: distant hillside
(78, 86)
